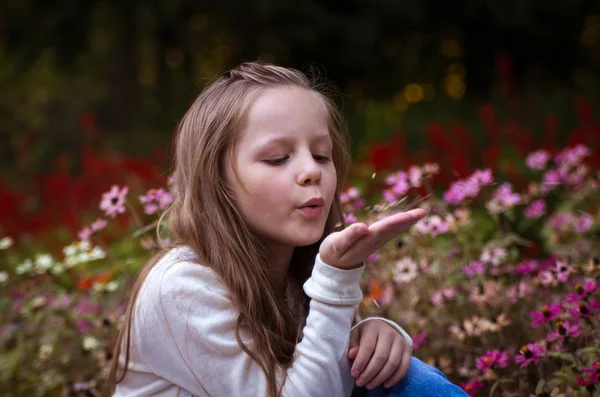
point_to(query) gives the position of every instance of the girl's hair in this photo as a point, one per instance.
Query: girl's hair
(205, 218)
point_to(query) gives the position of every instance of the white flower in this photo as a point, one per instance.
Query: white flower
(3, 277)
(112, 285)
(405, 270)
(5, 243)
(90, 343)
(44, 261)
(24, 267)
(70, 250)
(97, 253)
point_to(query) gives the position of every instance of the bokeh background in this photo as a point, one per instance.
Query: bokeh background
(90, 91)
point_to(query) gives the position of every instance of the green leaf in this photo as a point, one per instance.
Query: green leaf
(564, 356)
(540, 386)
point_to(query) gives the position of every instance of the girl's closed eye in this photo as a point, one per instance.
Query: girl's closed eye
(322, 159)
(276, 161)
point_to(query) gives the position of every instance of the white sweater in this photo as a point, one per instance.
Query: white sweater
(183, 336)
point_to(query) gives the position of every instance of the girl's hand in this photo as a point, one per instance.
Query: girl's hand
(380, 354)
(353, 245)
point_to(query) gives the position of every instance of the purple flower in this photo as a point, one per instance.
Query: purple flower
(419, 340)
(564, 330)
(526, 267)
(113, 201)
(572, 156)
(560, 221)
(432, 225)
(473, 268)
(98, 224)
(156, 199)
(585, 309)
(593, 371)
(582, 223)
(550, 180)
(469, 187)
(503, 199)
(349, 218)
(492, 358)
(537, 160)
(535, 209)
(84, 234)
(547, 313)
(530, 353)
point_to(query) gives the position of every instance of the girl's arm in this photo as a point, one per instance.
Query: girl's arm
(184, 327)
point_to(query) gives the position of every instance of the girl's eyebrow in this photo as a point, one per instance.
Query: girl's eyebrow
(286, 140)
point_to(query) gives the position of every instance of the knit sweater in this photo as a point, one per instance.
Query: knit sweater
(183, 336)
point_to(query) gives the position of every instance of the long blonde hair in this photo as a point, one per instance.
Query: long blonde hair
(204, 216)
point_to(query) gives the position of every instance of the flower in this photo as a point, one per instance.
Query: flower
(5, 243)
(432, 225)
(492, 358)
(473, 268)
(472, 387)
(494, 255)
(562, 270)
(503, 199)
(547, 313)
(350, 194)
(583, 223)
(113, 201)
(530, 353)
(585, 309)
(469, 187)
(535, 209)
(419, 340)
(593, 371)
(156, 199)
(537, 160)
(572, 156)
(98, 224)
(550, 181)
(564, 330)
(405, 270)
(84, 233)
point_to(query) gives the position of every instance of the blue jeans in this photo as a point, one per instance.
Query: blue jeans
(421, 380)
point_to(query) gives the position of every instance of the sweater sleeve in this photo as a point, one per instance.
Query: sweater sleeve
(185, 326)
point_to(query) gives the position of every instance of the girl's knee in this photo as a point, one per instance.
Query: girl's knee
(426, 381)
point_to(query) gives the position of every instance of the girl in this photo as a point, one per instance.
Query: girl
(258, 294)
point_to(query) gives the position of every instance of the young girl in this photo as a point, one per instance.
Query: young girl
(258, 294)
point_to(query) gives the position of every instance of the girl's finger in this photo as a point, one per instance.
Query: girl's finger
(400, 372)
(394, 361)
(394, 224)
(336, 244)
(377, 361)
(366, 348)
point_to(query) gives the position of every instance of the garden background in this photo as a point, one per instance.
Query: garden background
(90, 94)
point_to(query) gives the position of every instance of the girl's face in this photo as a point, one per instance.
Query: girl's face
(283, 159)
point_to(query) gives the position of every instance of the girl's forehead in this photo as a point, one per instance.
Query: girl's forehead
(286, 111)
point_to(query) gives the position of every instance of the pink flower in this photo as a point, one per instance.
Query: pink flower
(473, 268)
(547, 313)
(98, 224)
(530, 353)
(535, 209)
(437, 299)
(472, 387)
(594, 372)
(583, 223)
(432, 225)
(572, 156)
(563, 270)
(156, 199)
(419, 340)
(348, 195)
(349, 218)
(503, 199)
(585, 309)
(492, 358)
(469, 187)
(537, 160)
(113, 201)
(84, 234)
(550, 180)
(564, 330)
(526, 267)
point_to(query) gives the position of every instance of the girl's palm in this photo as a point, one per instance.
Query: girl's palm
(349, 247)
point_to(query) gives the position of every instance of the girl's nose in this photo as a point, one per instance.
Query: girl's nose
(310, 173)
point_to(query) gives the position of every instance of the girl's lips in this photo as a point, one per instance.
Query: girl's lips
(312, 211)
